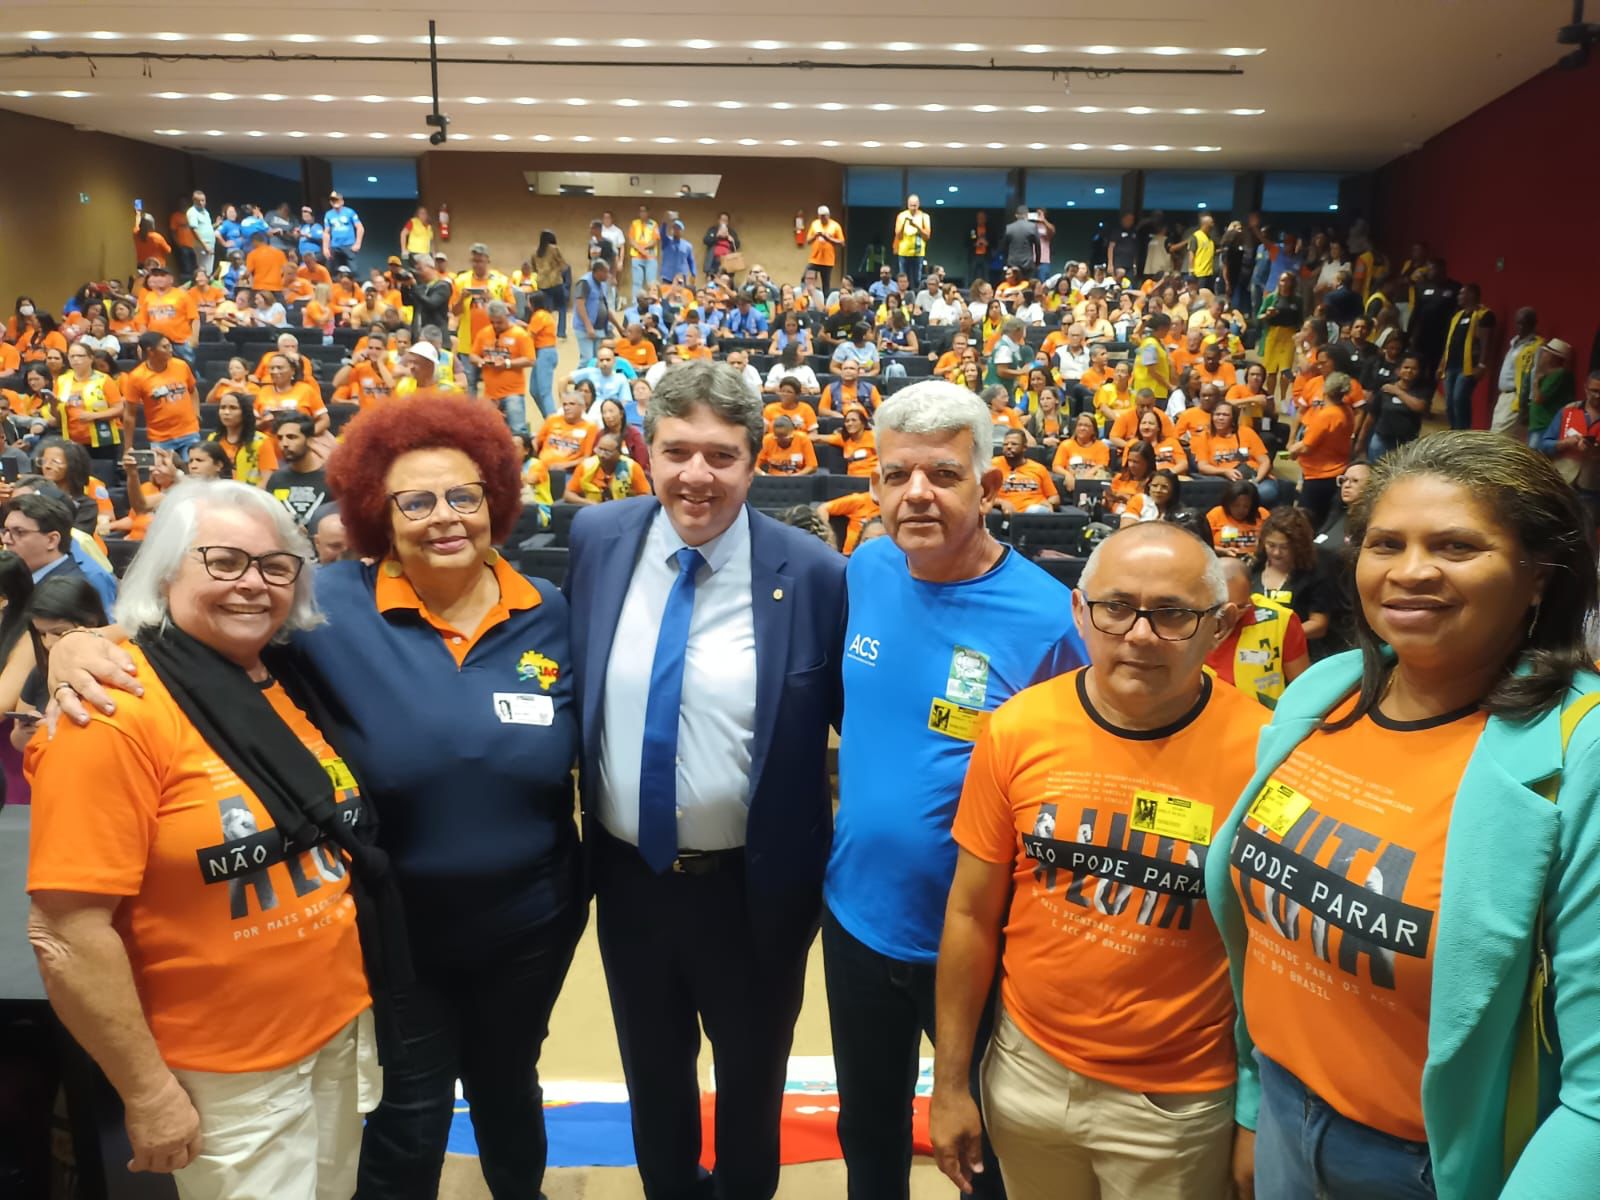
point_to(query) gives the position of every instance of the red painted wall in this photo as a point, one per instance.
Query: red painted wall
(1518, 180)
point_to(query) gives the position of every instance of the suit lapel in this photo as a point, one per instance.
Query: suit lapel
(773, 598)
(616, 554)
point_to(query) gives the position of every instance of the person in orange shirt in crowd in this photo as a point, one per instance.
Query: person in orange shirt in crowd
(252, 453)
(1309, 384)
(370, 379)
(694, 348)
(824, 241)
(10, 360)
(788, 404)
(1236, 521)
(312, 271)
(1001, 415)
(786, 452)
(1197, 417)
(167, 309)
(1025, 486)
(1322, 446)
(268, 266)
(849, 390)
(181, 236)
(284, 394)
(502, 351)
(1124, 430)
(566, 439)
(163, 386)
(1211, 368)
(856, 442)
(1250, 398)
(1227, 449)
(148, 245)
(289, 346)
(298, 290)
(950, 360)
(636, 348)
(1169, 451)
(1083, 455)
(158, 926)
(1128, 496)
(1114, 985)
(345, 294)
(207, 295)
(858, 509)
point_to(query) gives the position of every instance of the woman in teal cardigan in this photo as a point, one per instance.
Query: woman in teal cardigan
(1417, 840)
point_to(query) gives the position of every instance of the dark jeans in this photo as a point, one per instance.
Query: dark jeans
(878, 1010)
(340, 256)
(1458, 390)
(1305, 1149)
(680, 953)
(559, 297)
(911, 267)
(1077, 399)
(825, 274)
(483, 1021)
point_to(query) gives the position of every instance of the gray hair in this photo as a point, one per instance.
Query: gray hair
(1214, 577)
(1012, 326)
(499, 308)
(1336, 384)
(936, 406)
(715, 386)
(142, 598)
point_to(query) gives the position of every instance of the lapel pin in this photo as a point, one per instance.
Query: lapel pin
(777, 593)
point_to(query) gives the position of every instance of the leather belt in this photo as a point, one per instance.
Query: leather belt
(704, 862)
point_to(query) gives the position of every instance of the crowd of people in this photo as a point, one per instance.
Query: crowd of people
(1283, 809)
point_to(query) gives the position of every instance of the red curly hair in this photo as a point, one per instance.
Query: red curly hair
(424, 421)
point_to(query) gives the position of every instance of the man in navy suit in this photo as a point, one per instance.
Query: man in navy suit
(706, 644)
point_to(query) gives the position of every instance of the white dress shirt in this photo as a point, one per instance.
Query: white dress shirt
(717, 718)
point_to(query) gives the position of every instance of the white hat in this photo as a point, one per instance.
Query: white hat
(1558, 347)
(425, 350)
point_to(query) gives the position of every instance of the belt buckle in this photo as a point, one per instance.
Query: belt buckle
(677, 867)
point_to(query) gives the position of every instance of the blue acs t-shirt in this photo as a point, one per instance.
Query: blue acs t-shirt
(924, 663)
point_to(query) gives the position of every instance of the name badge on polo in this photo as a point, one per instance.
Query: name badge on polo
(1172, 817)
(955, 720)
(521, 708)
(968, 681)
(1278, 806)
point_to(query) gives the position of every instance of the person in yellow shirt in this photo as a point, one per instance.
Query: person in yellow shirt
(1203, 252)
(474, 289)
(644, 250)
(912, 229)
(1152, 364)
(606, 475)
(416, 235)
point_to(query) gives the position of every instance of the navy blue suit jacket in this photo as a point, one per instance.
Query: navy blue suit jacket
(797, 588)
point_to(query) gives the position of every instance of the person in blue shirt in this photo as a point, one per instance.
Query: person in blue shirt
(744, 321)
(945, 624)
(342, 234)
(677, 257)
(309, 233)
(230, 236)
(251, 222)
(883, 285)
(608, 382)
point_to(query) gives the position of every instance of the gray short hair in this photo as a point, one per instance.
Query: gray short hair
(937, 406)
(499, 308)
(142, 598)
(1214, 577)
(715, 386)
(1012, 326)
(1336, 384)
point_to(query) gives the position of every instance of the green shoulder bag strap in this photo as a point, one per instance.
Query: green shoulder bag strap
(1533, 1040)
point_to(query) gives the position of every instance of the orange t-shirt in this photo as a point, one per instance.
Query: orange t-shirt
(314, 274)
(1326, 430)
(215, 916)
(266, 264)
(802, 414)
(1072, 455)
(298, 289)
(823, 253)
(564, 444)
(1242, 447)
(860, 452)
(498, 349)
(1225, 373)
(182, 235)
(367, 386)
(300, 397)
(642, 355)
(172, 312)
(1171, 455)
(1027, 484)
(1112, 963)
(150, 247)
(10, 360)
(857, 508)
(1229, 535)
(224, 387)
(76, 416)
(316, 315)
(1344, 947)
(266, 459)
(170, 399)
(797, 458)
(1008, 417)
(206, 299)
(1126, 426)
(542, 328)
(1192, 420)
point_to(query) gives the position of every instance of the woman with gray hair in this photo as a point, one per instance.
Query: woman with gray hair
(194, 904)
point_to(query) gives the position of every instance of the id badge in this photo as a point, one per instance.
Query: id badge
(1278, 806)
(1172, 817)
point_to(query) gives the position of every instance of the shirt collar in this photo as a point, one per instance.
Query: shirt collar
(396, 591)
(718, 552)
(50, 566)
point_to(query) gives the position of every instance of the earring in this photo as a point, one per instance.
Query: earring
(492, 557)
(393, 569)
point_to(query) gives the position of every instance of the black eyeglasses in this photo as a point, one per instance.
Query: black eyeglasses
(277, 568)
(419, 505)
(1117, 617)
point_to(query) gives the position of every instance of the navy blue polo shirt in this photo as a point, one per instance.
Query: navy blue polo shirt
(463, 741)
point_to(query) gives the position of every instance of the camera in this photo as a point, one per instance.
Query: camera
(441, 123)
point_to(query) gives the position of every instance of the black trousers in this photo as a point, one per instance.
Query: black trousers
(679, 953)
(483, 1021)
(824, 274)
(878, 1010)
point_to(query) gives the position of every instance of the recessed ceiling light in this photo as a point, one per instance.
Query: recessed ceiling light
(163, 95)
(633, 43)
(624, 139)
(104, 35)
(1191, 112)
(882, 107)
(1119, 146)
(913, 145)
(420, 99)
(1239, 51)
(1333, 208)
(966, 47)
(1099, 191)
(526, 100)
(372, 179)
(700, 44)
(1246, 112)
(1100, 50)
(1208, 149)
(680, 103)
(176, 132)
(902, 47)
(1089, 109)
(378, 137)
(541, 137)
(40, 35)
(940, 200)
(831, 106)
(666, 141)
(501, 137)
(830, 143)
(749, 142)
(502, 41)
(1167, 51)
(1037, 108)
(72, 95)
(368, 39)
(416, 137)
(730, 104)
(297, 133)
(1034, 48)
(273, 97)
(1161, 149)
(1072, 204)
(781, 105)
(932, 108)
(872, 145)
(1200, 204)
(335, 136)
(995, 145)
(626, 102)
(568, 41)
(1140, 110)
(374, 99)
(953, 188)
(222, 96)
(322, 98)
(303, 37)
(1036, 146)
(475, 99)
(576, 101)
(788, 142)
(237, 37)
(255, 133)
(707, 141)
(985, 108)
(170, 37)
(765, 44)
(1078, 146)
(834, 46)
(955, 146)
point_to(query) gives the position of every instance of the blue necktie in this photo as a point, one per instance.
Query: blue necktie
(658, 764)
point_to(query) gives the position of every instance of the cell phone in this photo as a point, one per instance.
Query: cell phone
(138, 206)
(8, 470)
(25, 718)
(143, 460)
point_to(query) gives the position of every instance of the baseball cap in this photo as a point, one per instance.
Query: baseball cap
(478, 248)
(394, 260)
(346, 271)
(425, 350)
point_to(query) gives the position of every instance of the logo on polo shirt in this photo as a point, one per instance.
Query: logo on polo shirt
(864, 650)
(533, 665)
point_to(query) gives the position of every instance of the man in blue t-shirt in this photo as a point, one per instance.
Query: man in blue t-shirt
(341, 234)
(945, 624)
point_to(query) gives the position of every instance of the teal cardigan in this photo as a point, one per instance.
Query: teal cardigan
(1508, 849)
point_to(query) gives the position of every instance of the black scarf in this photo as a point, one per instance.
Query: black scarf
(235, 718)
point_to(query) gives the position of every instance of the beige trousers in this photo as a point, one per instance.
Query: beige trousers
(1060, 1135)
(289, 1134)
(1506, 419)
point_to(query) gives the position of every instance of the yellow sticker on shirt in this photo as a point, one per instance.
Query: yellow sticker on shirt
(1278, 806)
(954, 720)
(339, 774)
(1172, 817)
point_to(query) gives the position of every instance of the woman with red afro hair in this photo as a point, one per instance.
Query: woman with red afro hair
(449, 678)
